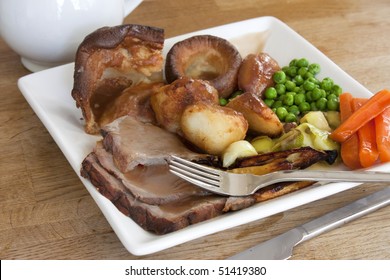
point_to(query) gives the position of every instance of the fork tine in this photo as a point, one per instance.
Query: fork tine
(198, 167)
(210, 187)
(202, 176)
(190, 173)
(191, 170)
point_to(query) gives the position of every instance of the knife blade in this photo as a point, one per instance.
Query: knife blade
(281, 246)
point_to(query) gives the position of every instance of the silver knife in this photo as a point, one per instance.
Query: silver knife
(281, 247)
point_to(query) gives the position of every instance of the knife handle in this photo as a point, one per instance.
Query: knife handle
(345, 214)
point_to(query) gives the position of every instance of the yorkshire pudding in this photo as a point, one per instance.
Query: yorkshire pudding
(111, 59)
(205, 57)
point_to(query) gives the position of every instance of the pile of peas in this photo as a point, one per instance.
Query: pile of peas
(297, 91)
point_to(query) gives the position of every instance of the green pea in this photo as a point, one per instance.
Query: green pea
(298, 79)
(316, 94)
(294, 109)
(337, 90)
(304, 107)
(309, 75)
(293, 62)
(290, 117)
(270, 93)
(288, 99)
(308, 85)
(302, 71)
(301, 90)
(277, 104)
(296, 90)
(321, 104)
(303, 62)
(327, 84)
(309, 96)
(332, 105)
(314, 80)
(314, 68)
(292, 71)
(290, 85)
(332, 96)
(223, 101)
(299, 98)
(280, 89)
(313, 106)
(279, 77)
(281, 112)
(269, 102)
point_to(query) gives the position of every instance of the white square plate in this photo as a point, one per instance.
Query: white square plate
(49, 94)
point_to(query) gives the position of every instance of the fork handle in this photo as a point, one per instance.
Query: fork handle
(330, 176)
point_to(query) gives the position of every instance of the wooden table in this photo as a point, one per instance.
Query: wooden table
(46, 212)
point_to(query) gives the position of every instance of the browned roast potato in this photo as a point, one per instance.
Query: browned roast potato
(212, 128)
(255, 73)
(205, 57)
(262, 120)
(169, 101)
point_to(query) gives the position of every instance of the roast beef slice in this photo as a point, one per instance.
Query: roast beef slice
(149, 184)
(134, 143)
(160, 219)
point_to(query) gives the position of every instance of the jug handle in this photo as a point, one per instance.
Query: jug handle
(130, 5)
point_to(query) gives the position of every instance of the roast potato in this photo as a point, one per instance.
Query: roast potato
(261, 119)
(169, 101)
(255, 73)
(212, 128)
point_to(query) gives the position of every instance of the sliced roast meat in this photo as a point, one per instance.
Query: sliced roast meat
(159, 219)
(234, 203)
(150, 184)
(134, 143)
(178, 210)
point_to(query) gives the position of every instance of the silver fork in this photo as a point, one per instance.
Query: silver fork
(232, 184)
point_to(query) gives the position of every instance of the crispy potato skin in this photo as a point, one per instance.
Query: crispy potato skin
(262, 120)
(169, 101)
(212, 128)
(255, 73)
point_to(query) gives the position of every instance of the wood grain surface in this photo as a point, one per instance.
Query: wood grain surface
(46, 212)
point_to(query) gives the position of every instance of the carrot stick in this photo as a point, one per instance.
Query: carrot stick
(372, 108)
(368, 151)
(349, 150)
(382, 130)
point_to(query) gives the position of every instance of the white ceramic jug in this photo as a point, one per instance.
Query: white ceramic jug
(46, 33)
